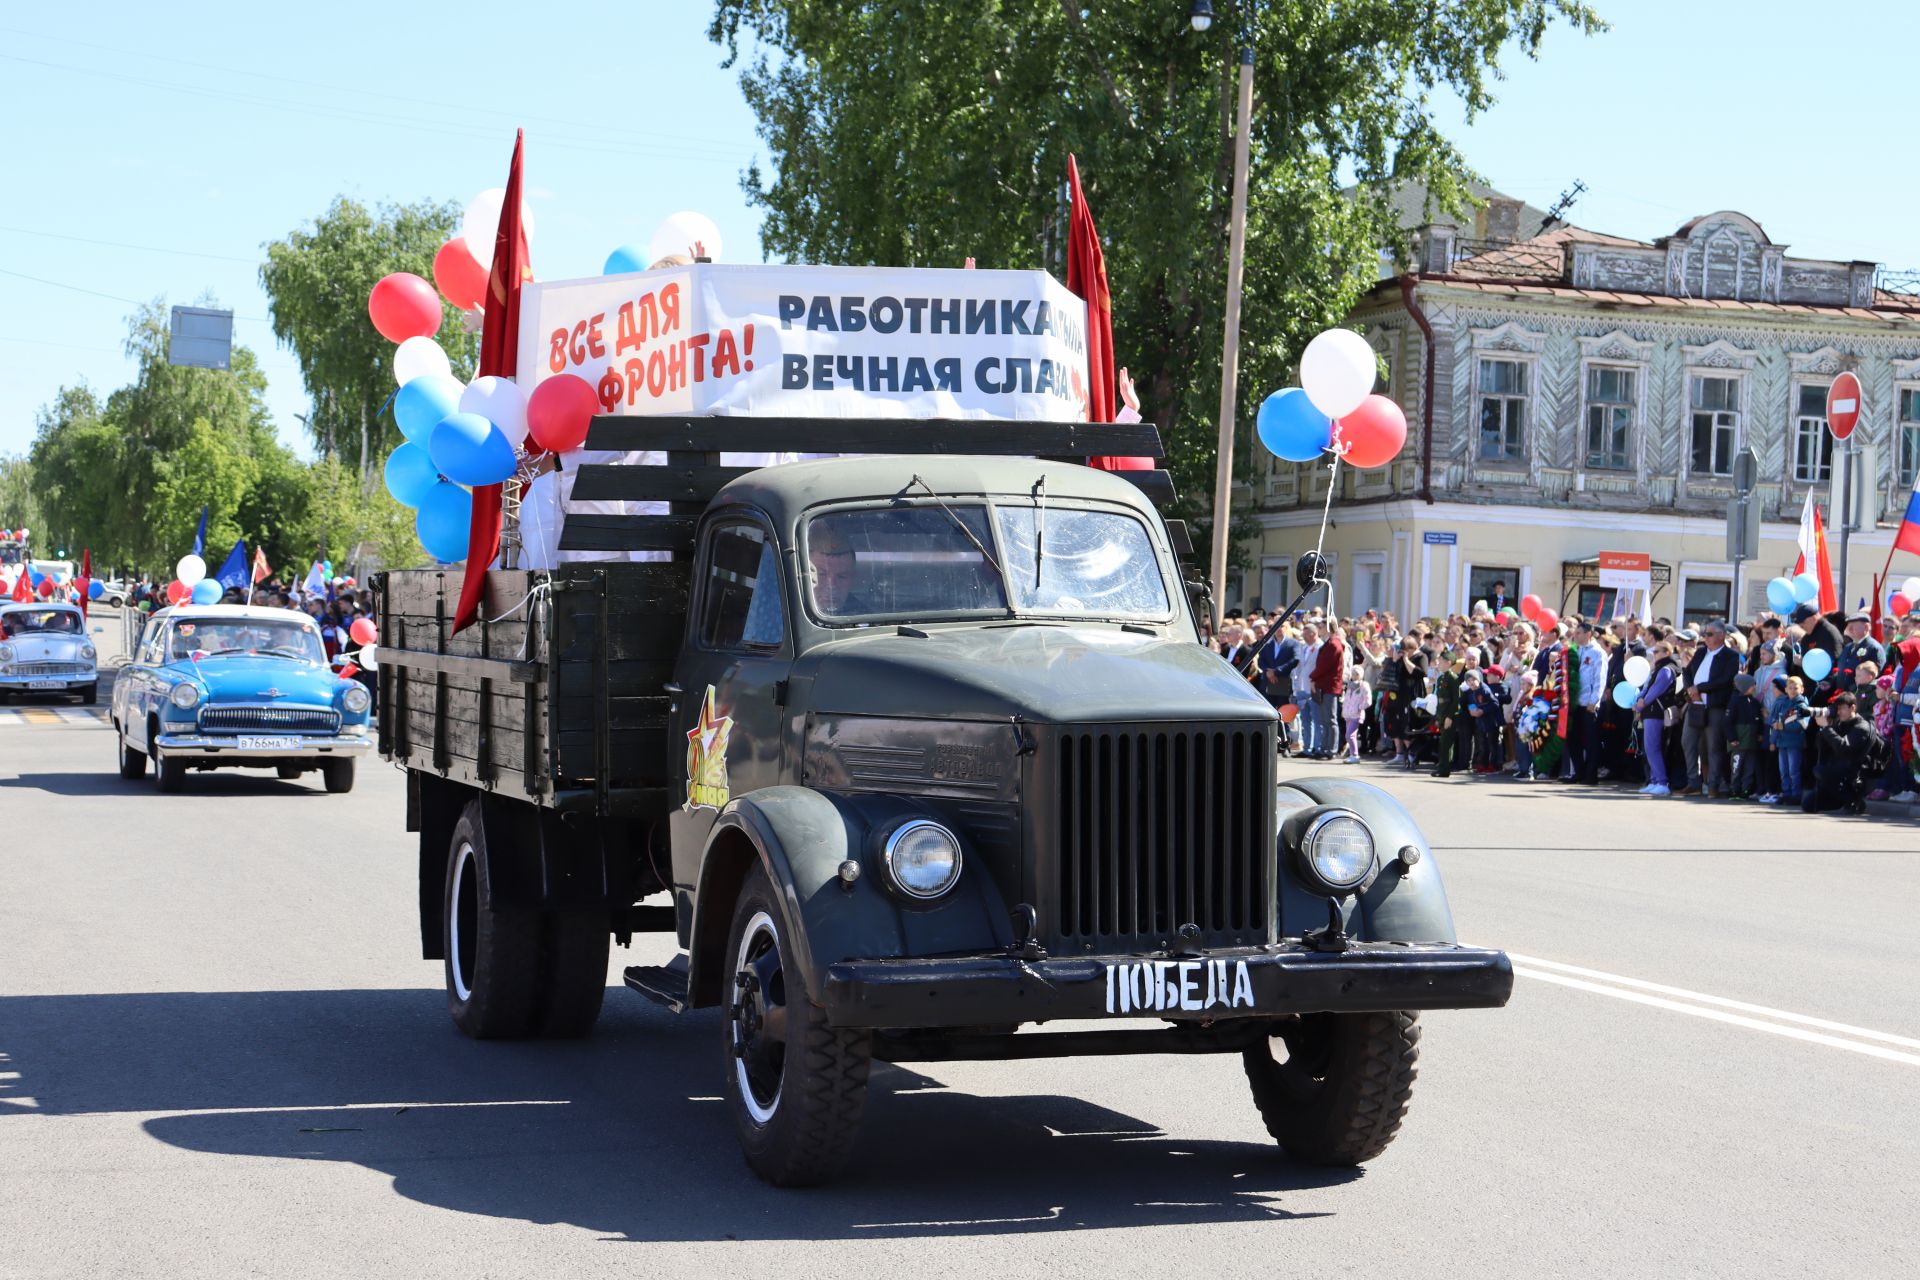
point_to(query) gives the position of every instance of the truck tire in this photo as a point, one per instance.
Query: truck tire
(796, 1086)
(574, 946)
(338, 775)
(493, 957)
(133, 764)
(1341, 1094)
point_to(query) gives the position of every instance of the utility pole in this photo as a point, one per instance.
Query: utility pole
(1230, 352)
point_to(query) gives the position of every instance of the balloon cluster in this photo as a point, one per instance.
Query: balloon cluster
(1901, 603)
(1534, 610)
(1333, 410)
(685, 234)
(1784, 594)
(190, 582)
(1634, 672)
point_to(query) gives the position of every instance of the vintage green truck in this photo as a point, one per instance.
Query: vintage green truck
(913, 752)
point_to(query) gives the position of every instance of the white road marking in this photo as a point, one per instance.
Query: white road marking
(1777, 1022)
(53, 715)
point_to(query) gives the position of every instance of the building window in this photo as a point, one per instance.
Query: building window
(1716, 424)
(1909, 457)
(1707, 600)
(1503, 410)
(1812, 442)
(1609, 417)
(1481, 580)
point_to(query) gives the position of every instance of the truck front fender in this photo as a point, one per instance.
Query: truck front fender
(801, 836)
(1403, 904)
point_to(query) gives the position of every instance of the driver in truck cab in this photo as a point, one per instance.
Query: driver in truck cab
(831, 557)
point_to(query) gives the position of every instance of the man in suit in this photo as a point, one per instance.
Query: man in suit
(1497, 599)
(1710, 694)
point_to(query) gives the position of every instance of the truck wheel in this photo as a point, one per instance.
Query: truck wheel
(338, 775)
(133, 764)
(1343, 1090)
(574, 946)
(796, 1086)
(493, 957)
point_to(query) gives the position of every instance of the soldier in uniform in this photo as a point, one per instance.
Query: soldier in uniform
(1446, 711)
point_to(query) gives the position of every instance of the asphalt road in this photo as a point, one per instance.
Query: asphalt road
(218, 1057)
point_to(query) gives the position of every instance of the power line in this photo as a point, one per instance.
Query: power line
(121, 244)
(110, 297)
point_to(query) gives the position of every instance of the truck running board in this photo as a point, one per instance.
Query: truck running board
(664, 984)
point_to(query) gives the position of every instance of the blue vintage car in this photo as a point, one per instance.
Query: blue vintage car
(237, 686)
(44, 649)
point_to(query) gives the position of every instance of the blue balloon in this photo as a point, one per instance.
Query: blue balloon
(1624, 695)
(1816, 664)
(441, 523)
(628, 257)
(35, 577)
(1292, 428)
(1806, 588)
(208, 591)
(465, 447)
(96, 589)
(1780, 595)
(410, 473)
(423, 402)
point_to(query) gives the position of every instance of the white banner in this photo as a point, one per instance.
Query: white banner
(814, 342)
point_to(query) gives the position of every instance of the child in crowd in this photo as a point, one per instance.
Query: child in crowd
(1744, 725)
(1792, 715)
(1354, 704)
(1484, 708)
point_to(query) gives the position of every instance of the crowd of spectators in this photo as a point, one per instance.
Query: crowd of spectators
(1717, 712)
(333, 609)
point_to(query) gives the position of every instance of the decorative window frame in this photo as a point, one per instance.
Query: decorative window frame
(1718, 359)
(1509, 341)
(1808, 369)
(1906, 377)
(1615, 350)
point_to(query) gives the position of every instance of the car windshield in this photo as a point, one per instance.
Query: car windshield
(908, 562)
(225, 637)
(63, 622)
(1069, 560)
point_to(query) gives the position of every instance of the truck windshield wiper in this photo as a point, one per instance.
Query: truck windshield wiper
(980, 546)
(1039, 528)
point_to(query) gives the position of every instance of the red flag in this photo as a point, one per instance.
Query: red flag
(86, 573)
(1087, 278)
(260, 570)
(1813, 555)
(499, 344)
(23, 585)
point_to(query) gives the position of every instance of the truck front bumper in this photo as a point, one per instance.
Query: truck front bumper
(1255, 982)
(226, 748)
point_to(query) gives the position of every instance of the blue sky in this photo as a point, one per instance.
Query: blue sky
(152, 153)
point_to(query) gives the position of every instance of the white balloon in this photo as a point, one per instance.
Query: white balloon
(417, 357)
(369, 653)
(190, 569)
(499, 401)
(1337, 371)
(481, 224)
(685, 232)
(1636, 670)
(1910, 588)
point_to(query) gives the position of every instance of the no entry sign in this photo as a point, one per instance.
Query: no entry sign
(1843, 405)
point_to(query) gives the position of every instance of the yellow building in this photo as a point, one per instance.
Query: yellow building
(1574, 393)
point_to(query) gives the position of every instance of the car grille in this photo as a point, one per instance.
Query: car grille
(1161, 826)
(282, 719)
(50, 668)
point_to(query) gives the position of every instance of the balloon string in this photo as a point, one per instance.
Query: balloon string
(1333, 478)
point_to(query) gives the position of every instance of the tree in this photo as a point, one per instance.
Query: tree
(77, 459)
(19, 499)
(317, 282)
(918, 132)
(209, 469)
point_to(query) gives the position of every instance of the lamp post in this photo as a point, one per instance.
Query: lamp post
(1200, 16)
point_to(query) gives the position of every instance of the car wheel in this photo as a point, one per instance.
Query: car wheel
(170, 775)
(795, 1085)
(338, 775)
(133, 764)
(90, 695)
(1341, 1093)
(287, 772)
(492, 956)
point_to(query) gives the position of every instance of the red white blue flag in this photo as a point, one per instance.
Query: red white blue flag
(1907, 537)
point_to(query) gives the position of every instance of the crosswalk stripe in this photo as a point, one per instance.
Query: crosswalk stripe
(53, 715)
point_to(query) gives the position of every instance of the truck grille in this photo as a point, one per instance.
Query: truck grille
(1161, 826)
(283, 719)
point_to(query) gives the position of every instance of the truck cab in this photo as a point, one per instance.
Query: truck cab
(938, 770)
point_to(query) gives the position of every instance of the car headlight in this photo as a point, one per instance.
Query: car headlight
(185, 696)
(6, 653)
(1338, 850)
(88, 652)
(356, 700)
(922, 859)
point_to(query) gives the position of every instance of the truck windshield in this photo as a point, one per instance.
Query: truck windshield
(910, 562)
(1067, 560)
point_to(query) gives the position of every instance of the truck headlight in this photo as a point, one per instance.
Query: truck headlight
(922, 858)
(185, 696)
(356, 700)
(1338, 850)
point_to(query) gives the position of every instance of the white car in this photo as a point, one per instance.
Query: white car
(44, 649)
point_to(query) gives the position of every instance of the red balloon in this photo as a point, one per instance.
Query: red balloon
(1373, 434)
(1530, 606)
(1900, 605)
(1546, 620)
(46, 586)
(363, 631)
(178, 591)
(559, 412)
(1289, 712)
(404, 306)
(461, 279)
